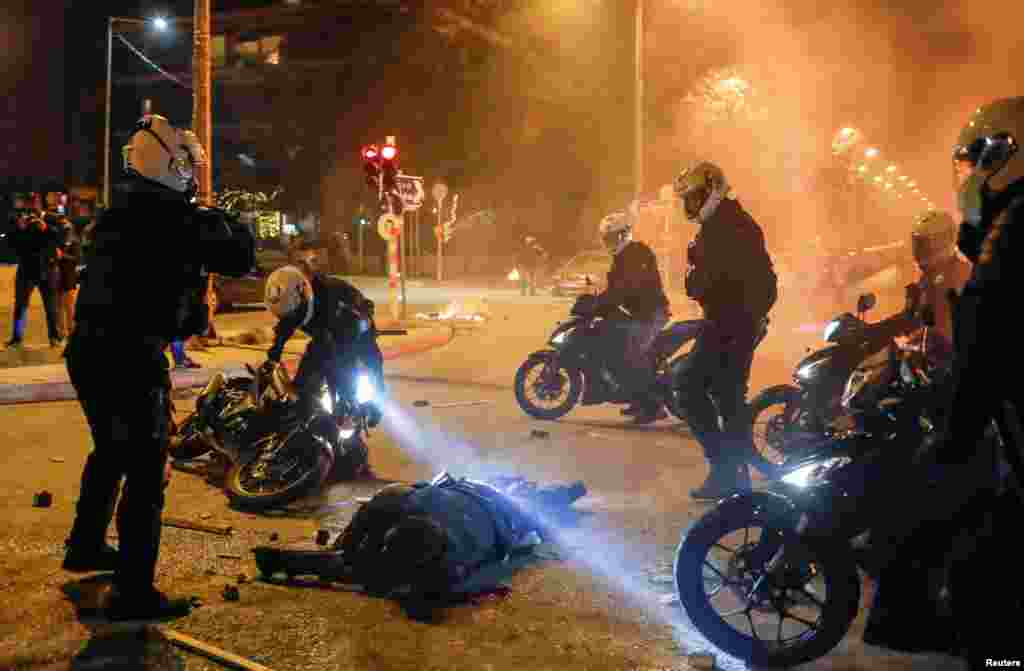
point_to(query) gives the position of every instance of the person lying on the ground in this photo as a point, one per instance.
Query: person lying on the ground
(431, 543)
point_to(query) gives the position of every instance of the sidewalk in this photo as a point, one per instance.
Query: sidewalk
(49, 382)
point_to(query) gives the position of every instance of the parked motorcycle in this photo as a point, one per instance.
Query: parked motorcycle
(784, 415)
(771, 576)
(574, 370)
(271, 453)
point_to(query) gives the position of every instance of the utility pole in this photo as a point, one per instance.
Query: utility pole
(201, 94)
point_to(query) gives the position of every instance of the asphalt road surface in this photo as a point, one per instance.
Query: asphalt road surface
(598, 605)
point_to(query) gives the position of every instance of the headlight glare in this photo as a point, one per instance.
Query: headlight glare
(812, 474)
(364, 390)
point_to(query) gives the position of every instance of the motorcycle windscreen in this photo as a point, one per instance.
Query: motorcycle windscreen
(677, 335)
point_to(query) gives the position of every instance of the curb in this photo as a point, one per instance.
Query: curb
(11, 394)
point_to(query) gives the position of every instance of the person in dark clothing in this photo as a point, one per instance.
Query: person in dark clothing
(967, 494)
(338, 318)
(531, 260)
(69, 258)
(127, 407)
(634, 286)
(35, 240)
(731, 276)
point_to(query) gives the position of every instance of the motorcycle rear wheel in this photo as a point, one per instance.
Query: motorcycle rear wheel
(570, 384)
(695, 570)
(306, 467)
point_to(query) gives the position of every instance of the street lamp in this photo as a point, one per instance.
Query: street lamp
(161, 24)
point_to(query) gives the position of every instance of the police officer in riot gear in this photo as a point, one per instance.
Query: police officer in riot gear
(634, 285)
(731, 276)
(339, 319)
(989, 174)
(133, 302)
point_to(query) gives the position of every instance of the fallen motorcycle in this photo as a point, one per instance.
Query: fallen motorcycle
(268, 449)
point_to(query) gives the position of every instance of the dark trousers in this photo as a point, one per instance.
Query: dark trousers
(714, 392)
(636, 366)
(130, 422)
(24, 283)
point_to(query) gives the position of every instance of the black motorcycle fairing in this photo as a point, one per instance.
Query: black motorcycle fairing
(675, 336)
(844, 328)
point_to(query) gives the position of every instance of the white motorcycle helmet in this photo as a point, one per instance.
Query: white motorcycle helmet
(616, 232)
(161, 153)
(287, 292)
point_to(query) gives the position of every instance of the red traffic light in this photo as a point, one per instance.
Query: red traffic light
(388, 152)
(369, 153)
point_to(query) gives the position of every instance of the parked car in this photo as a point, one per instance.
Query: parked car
(248, 290)
(582, 274)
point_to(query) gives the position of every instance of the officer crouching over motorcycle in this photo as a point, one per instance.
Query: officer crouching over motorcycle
(732, 278)
(132, 302)
(634, 284)
(338, 318)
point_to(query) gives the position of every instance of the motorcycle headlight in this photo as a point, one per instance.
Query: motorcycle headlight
(807, 371)
(830, 330)
(813, 474)
(326, 402)
(562, 337)
(346, 429)
(364, 390)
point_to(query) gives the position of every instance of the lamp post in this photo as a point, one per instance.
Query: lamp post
(638, 130)
(160, 24)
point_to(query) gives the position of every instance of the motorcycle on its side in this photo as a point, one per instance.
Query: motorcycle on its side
(269, 451)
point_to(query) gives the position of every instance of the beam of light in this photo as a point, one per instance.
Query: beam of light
(604, 551)
(160, 23)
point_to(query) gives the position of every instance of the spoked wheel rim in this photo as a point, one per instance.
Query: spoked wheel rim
(774, 611)
(547, 385)
(271, 476)
(771, 430)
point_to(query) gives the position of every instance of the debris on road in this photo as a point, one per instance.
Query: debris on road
(229, 556)
(57, 460)
(205, 516)
(537, 433)
(470, 310)
(323, 536)
(196, 646)
(242, 579)
(460, 404)
(219, 529)
(43, 499)
(230, 593)
(421, 404)
(274, 536)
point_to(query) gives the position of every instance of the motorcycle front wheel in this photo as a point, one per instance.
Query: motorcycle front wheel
(546, 389)
(793, 615)
(295, 469)
(776, 419)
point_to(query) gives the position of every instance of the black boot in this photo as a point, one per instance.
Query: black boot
(146, 605)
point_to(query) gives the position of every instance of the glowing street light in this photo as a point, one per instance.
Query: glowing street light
(160, 23)
(891, 169)
(871, 152)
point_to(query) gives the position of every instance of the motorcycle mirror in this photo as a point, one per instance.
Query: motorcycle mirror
(865, 302)
(928, 316)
